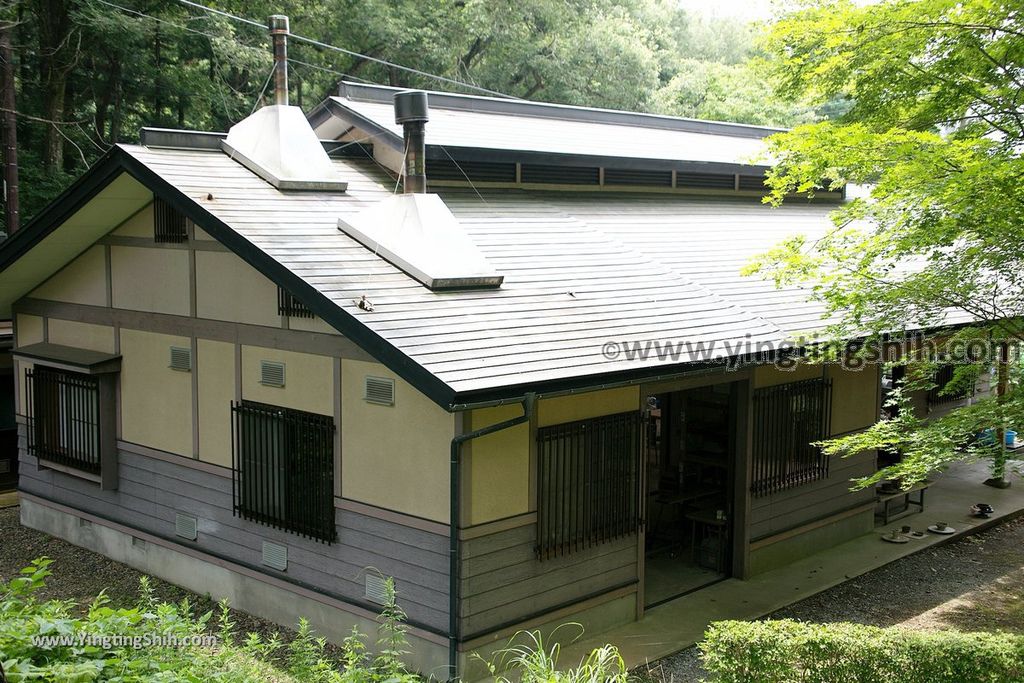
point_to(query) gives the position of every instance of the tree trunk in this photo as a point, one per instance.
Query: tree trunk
(999, 479)
(10, 131)
(57, 53)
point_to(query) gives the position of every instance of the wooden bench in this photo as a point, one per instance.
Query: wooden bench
(886, 499)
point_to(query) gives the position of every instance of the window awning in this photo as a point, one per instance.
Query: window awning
(69, 358)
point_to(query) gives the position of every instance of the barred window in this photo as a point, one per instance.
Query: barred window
(168, 223)
(283, 463)
(588, 482)
(788, 419)
(63, 419)
(943, 376)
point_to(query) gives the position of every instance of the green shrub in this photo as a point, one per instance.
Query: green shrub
(794, 652)
(24, 657)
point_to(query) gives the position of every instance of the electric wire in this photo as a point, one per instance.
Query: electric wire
(351, 53)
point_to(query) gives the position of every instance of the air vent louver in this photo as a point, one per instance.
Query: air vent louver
(186, 527)
(625, 176)
(271, 373)
(275, 556)
(376, 589)
(711, 181)
(380, 390)
(752, 182)
(475, 171)
(168, 223)
(181, 359)
(561, 175)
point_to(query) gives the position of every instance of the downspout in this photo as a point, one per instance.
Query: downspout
(455, 513)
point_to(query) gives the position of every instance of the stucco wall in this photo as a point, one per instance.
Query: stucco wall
(83, 281)
(156, 402)
(150, 279)
(308, 385)
(227, 288)
(854, 398)
(139, 225)
(214, 366)
(394, 457)
(30, 329)
(553, 411)
(81, 335)
(499, 468)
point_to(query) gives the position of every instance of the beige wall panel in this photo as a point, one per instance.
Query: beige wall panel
(394, 457)
(227, 288)
(154, 280)
(30, 329)
(308, 380)
(83, 281)
(854, 395)
(139, 225)
(156, 402)
(201, 235)
(311, 325)
(769, 375)
(553, 411)
(215, 365)
(82, 335)
(499, 467)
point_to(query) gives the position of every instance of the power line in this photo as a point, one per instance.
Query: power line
(328, 46)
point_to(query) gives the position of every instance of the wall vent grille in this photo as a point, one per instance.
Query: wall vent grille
(380, 390)
(476, 171)
(376, 589)
(275, 556)
(752, 182)
(561, 175)
(271, 373)
(181, 359)
(186, 527)
(625, 176)
(168, 223)
(711, 181)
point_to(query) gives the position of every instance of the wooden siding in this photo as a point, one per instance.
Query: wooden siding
(503, 582)
(800, 505)
(151, 491)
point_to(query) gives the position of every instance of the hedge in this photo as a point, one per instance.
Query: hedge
(789, 651)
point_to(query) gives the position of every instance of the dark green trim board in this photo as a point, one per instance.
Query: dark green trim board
(91, 183)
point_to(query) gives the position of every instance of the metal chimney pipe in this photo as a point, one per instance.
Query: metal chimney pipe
(278, 25)
(411, 110)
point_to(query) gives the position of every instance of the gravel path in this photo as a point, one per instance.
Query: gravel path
(79, 575)
(923, 590)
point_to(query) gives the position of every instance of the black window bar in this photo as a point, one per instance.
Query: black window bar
(788, 419)
(283, 462)
(588, 483)
(63, 419)
(290, 306)
(943, 376)
(168, 223)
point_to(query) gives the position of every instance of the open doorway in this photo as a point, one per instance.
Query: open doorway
(691, 443)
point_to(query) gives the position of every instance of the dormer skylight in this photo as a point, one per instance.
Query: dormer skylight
(418, 234)
(278, 144)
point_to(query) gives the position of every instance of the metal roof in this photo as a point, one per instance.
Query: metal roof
(580, 271)
(460, 122)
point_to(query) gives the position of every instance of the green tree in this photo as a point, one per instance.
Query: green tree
(934, 132)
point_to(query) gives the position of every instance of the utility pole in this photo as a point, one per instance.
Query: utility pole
(9, 129)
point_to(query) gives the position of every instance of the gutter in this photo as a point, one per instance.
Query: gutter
(454, 514)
